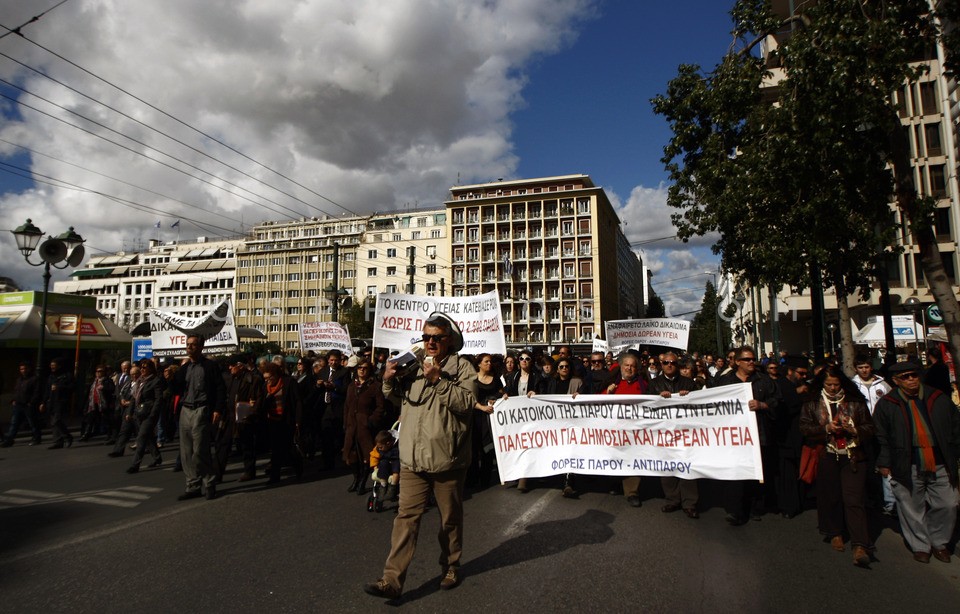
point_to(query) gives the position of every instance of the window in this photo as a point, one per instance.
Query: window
(431, 269)
(391, 253)
(391, 270)
(313, 275)
(431, 289)
(397, 236)
(372, 271)
(293, 328)
(458, 235)
(435, 234)
(938, 184)
(928, 97)
(293, 311)
(932, 133)
(312, 293)
(391, 288)
(371, 290)
(259, 295)
(275, 294)
(293, 294)
(372, 254)
(275, 261)
(416, 235)
(292, 277)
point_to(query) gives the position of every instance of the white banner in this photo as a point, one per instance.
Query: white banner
(169, 331)
(707, 434)
(325, 336)
(651, 331)
(398, 322)
(599, 345)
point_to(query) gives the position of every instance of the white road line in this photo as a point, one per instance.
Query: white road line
(95, 535)
(16, 500)
(146, 489)
(33, 493)
(105, 501)
(124, 495)
(517, 527)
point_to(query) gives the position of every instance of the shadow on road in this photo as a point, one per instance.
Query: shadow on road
(538, 541)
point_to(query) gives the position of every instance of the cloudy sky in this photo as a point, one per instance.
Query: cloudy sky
(223, 113)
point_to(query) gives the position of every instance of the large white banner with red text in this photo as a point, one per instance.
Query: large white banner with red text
(398, 322)
(706, 434)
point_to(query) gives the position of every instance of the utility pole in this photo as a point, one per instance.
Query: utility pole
(335, 306)
(412, 268)
(442, 286)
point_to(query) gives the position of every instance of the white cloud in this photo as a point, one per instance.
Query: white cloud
(372, 104)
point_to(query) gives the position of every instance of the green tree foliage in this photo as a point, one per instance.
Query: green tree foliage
(785, 156)
(703, 328)
(656, 308)
(353, 317)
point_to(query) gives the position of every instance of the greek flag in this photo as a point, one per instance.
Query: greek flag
(175, 224)
(157, 225)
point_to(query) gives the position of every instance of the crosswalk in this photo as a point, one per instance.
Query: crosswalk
(127, 497)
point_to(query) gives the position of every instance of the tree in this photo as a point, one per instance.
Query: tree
(354, 317)
(655, 309)
(786, 156)
(703, 329)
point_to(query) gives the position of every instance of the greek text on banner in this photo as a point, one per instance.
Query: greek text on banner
(664, 332)
(706, 434)
(398, 321)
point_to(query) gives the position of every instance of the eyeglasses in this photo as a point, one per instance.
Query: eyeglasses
(597, 362)
(524, 359)
(668, 362)
(435, 338)
(563, 366)
(910, 375)
(362, 368)
(745, 359)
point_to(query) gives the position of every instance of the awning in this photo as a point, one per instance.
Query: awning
(872, 334)
(120, 270)
(20, 324)
(87, 273)
(194, 283)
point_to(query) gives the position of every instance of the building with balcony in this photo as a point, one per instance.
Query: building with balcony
(552, 249)
(384, 255)
(286, 271)
(187, 278)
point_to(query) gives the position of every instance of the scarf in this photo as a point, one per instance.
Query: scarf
(275, 390)
(922, 434)
(832, 407)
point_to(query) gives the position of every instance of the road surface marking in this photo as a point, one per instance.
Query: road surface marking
(106, 501)
(128, 496)
(39, 494)
(520, 524)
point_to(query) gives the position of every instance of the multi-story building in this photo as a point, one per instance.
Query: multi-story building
(553, 250)
(187, 278)
(384, 255)
(292, 272)
(929, 108)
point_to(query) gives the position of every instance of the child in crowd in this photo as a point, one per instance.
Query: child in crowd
(385, 466)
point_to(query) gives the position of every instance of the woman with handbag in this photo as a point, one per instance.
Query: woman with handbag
(837, 418)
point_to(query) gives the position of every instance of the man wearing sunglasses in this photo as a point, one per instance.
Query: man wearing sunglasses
(437, 400)
(680, 494)
(918, 430)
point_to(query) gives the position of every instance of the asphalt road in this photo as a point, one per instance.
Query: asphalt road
(78, 534)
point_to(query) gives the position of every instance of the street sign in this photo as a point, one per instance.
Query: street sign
(903, 331)
(933, 314)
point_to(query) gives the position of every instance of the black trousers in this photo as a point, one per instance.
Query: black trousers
(750, 496)
(841, 498)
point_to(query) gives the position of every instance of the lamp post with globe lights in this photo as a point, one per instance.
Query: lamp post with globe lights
(61, 252)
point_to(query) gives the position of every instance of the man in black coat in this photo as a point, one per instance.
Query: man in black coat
(24, 403)
(56, 403)
(748, 495)
(244, 386)
(679, 493)
(200, 384)
(918, 430)
(332, 381)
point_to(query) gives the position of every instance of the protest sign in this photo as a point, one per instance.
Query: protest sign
(599, 345)
(705, 434)
(169, 331)
(651, 331)
(325, 336)
(399, 318)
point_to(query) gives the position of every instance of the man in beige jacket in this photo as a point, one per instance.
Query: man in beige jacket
(436, 399)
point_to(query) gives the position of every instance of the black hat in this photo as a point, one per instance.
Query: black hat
(442, 319)
(903, 367)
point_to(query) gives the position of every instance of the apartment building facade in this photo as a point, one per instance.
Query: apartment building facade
(552, 249)
(187, 278)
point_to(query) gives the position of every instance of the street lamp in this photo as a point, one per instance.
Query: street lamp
(832, 327)
(65, 248)
(336, 297)
(913, 305)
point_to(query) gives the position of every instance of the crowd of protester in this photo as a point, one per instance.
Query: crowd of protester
(888, 443)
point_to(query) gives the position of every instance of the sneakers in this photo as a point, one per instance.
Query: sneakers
(451, 579)
(382, 588)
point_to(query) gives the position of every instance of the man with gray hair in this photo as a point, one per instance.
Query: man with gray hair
(437, 398)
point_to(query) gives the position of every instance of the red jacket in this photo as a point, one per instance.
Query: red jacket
(637, 386)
